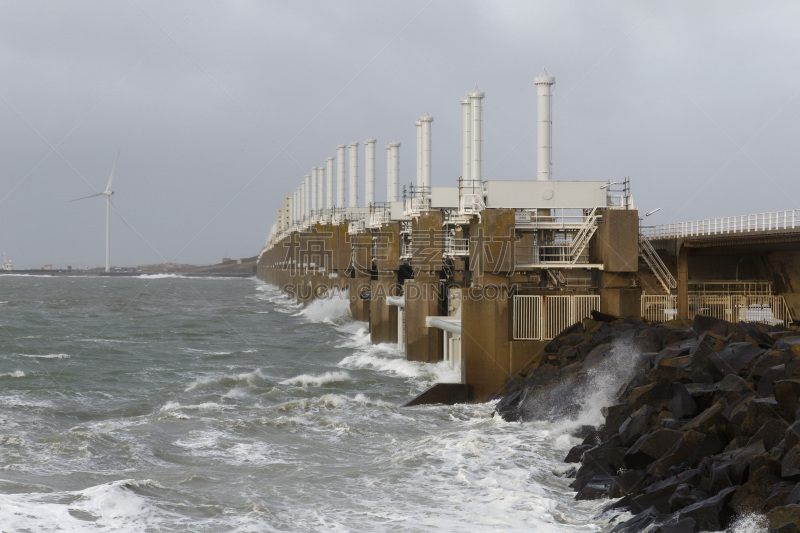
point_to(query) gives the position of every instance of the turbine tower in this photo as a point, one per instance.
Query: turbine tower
(107, 193)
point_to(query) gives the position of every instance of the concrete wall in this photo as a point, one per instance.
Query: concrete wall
(616, 242)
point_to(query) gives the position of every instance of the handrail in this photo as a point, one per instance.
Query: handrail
(657, 266)
(584, 234)
(772, 221)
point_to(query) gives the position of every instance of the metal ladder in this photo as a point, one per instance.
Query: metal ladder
(656, 265)
(583, 236)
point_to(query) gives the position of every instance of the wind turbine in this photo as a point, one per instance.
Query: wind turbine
(107, 193)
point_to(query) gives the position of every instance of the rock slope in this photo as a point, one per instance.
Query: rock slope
(706, 424)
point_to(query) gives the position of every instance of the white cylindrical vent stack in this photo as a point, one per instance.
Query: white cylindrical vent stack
(390, 196)
(340, 176)
(426, 151)
(353, 174)
(307, 196)
(418, 124)
(329, 182)
(302, 212)
(291, 209)
(544, 157)
(314, 185)
(395, 172)
(320, 189)
(466, 142)
(476, 105)
(297, 205)
(369, 177)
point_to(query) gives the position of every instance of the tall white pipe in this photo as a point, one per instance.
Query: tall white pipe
(320, 189)
(307, 196)
(418, 124)
(314, 184)
(301, 204)
(353, 174)
(395, 173)
(369, 177)
(329, 188)
(340, 175)
(544, 157)
(466, 142)
(291, 209)
(390, 196)
(476, 105)
(426, 151)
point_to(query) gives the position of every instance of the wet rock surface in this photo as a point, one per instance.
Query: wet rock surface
(702, 427)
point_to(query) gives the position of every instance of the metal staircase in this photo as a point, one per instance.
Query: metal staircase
(656, 265)
(583, 236)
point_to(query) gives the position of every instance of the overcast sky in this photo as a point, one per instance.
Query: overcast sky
(219, 108)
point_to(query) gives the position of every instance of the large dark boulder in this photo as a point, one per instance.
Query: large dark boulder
(636, 425)
(628, 482)
(597, 487)
(787, 395)
(657, 395)
(683, 405)
(712, 514)
(784, 519)
(734, 357)
(771, 433)
(750, 333)
(638, 523)
(790, 466)
(771, 375)
(688, 451)
(672, 369)
(703, 324)
(658, 494)
(651, 447)
(570, 336)
(759, 411)
(702, 370)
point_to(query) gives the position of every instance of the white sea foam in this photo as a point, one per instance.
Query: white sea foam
(333, 309)
(159, 276)
(14, 374)
(574, 404)
(307, 380)
(246, 378)
(749, 523)
(386, 358)
(114, 506)
(47, 356)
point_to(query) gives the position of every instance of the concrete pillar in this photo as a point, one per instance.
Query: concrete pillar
(683, 281)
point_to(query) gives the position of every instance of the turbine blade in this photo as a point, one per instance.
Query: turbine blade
(90, 196)
(111, 177)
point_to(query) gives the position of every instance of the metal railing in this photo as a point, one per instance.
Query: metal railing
(453, 246)
(733, 288)
(378, 215)
(356, 225)
(657, 266)
(537, 317)
(773, 221)
(471, 204)
(771, 309)
(584, 235)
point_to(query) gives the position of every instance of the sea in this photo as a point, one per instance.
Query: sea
(162, 403)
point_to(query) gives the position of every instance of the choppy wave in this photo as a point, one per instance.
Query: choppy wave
(115, 506)
(14, 374)
(307, 380)
(47, 356)
(334, 309)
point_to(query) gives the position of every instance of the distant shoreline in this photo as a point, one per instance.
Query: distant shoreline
(128, 274)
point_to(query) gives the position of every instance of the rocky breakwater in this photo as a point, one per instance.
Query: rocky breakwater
(701, 423)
